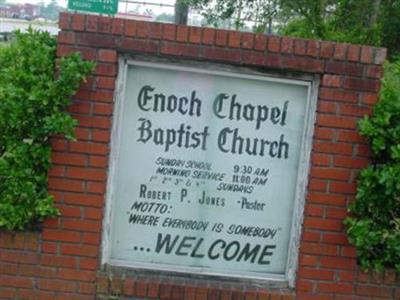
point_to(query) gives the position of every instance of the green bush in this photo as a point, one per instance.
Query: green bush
(374, 224)
(32, 108)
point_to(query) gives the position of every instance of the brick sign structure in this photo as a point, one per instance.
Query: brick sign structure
(79, 256)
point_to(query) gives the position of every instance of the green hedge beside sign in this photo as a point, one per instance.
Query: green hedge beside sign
(109, 7)
(374, 224)
(32, 109)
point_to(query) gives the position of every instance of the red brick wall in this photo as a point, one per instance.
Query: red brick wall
(63, 261)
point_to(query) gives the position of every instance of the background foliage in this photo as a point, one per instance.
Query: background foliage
(32, 108)
(371, 22)
(374, 227)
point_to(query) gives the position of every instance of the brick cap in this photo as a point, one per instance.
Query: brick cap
(326, 50)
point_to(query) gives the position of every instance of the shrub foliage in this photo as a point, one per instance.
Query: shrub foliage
(32, 108)
(374, 225)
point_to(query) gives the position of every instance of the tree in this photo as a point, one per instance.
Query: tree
(355, 21)
(308, 16)
(259, 12)
(372, 22)
(339, 20)
(51, 11)
(389, 20)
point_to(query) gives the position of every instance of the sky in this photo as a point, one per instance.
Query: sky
(156, 9)
(64, 2)
(60, 2)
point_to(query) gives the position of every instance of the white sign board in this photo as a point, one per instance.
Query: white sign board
(206, 171)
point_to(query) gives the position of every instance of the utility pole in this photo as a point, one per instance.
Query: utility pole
(181, 12)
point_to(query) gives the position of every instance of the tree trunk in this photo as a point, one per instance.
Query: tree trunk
(181, 12)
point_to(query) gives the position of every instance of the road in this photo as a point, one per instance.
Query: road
(8, 25)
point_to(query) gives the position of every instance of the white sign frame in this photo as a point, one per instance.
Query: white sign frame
(312, 82)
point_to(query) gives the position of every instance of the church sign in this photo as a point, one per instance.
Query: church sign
(208, 171)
